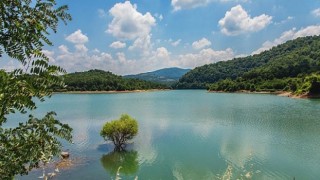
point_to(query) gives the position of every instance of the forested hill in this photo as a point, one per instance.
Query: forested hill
(165, 76)
(99, 80)
(298, 57)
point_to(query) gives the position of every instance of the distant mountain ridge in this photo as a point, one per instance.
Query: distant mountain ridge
(166, 75)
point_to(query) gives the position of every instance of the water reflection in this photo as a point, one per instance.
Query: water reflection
(144, 145)
(247, 152)
(204, 129)
(127, 160)
(81, 133)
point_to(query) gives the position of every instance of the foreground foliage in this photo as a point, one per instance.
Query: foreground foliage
(30, 144)
(120, 131)
(24, 27)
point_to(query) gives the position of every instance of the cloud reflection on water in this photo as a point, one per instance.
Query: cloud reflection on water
(144, 145)
(243, 155)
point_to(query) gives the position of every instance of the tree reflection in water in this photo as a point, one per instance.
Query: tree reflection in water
(127, 160)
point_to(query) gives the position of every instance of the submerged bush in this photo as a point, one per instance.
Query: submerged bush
(120, 131)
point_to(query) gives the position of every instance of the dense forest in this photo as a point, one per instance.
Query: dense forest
(292, 66)
(99, 80)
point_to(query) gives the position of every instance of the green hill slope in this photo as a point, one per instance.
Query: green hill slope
(276, 69)
(98, 80)
(165, 76)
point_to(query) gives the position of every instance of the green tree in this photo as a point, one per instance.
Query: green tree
(120, 131)
(24, 27)
(310, 85)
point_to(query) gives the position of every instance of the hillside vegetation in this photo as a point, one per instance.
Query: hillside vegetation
(99, 80)
(166, 76)
(289, 67)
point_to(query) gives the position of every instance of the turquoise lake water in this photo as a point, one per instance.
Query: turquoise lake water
(191, 134)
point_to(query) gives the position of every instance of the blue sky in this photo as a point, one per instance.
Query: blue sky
(128, 37)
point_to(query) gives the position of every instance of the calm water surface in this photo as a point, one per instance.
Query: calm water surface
(192, 135)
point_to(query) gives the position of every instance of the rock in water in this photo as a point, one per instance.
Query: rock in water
(65, 155)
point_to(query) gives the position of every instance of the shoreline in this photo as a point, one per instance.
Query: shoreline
(302, 96)
(278, 93)
(110, 92)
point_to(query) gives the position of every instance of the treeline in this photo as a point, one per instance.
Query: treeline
(99, 80)
(289, 67)
(308, 84)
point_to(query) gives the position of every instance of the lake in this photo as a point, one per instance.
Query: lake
(191, 134)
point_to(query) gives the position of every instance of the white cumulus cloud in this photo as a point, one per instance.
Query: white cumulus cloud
(289, 35)
(238, 21)
(128, 23)
(316, 12)
(84, 60)
(200, 44)
(142, 45)
(188, 4)
(162, 53)
(176, 43)
(81, 48)
(205, 56)
(81, 59)
(63, 49)
(118, 45)
(77, 37)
